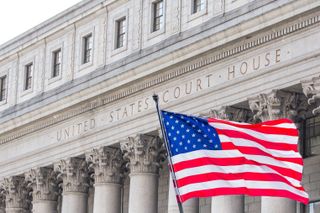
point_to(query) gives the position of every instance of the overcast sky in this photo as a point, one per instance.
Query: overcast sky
(18, 16)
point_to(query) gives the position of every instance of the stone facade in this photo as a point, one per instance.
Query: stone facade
(86, 139)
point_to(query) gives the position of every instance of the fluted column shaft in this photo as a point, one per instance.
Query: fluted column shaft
(274, 105)
(143, 153)
(106, 163)
(73, 172)
(44, 187)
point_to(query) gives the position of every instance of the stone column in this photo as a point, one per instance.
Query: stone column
(17, 199)
(44, 190)
(106, 162)
(274, 105)
(311, 89)
(189, 206)
(74, 175)
(228, 203)
(143, 153)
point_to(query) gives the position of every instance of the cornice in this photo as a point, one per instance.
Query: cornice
(215, 57)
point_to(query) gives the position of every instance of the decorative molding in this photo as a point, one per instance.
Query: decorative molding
(105, 99)
(43, 183)
(278, 104)
(73, 173)
(106, 162)
(17, 195)
(311, 89)
(143, 153)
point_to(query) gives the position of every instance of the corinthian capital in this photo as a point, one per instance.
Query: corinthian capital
(74, 174)
(16, 193)
(143, 153)
(106, 163)
(311, 89)
(43, 183)
(277, 104)
(231, 113)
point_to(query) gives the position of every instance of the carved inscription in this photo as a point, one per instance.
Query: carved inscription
(76, 129)
(254, 64)
(167, 95)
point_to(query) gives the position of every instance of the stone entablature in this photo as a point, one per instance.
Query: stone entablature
(207, 81)
(230, 53)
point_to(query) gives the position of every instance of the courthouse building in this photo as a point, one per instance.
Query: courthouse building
(79, 131)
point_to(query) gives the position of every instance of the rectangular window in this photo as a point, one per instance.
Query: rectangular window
(312, 207)
(158, 18)
(312, 136)
(56, 63)
(198, 5)
(87, 49)
(3, 88)
(121, 32)
(28, 76)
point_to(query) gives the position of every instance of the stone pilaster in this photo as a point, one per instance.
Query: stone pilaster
(106, 163)
(311, 89)
(74, 175)
(143, 154)
(16, 193)
(43, 184)
(274, 105)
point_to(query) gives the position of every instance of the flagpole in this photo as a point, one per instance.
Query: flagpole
(156, 100)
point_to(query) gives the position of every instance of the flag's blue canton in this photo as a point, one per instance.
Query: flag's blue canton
(188, 133)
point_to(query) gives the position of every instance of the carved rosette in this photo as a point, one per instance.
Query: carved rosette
(311, 89)
(74, 175)
(143, 153)
(106, 163)
(43, 183)
(231, 113)
(278, 104)
(16, 194)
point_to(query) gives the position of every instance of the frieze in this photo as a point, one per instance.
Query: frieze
(145, 104)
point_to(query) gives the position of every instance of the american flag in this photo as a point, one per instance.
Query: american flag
(216, 157)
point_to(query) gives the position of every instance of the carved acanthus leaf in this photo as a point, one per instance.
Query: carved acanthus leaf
(143, 153)
(43, 183)
(311, 89)
(278, 104)
(106, 162)
(73, 173)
